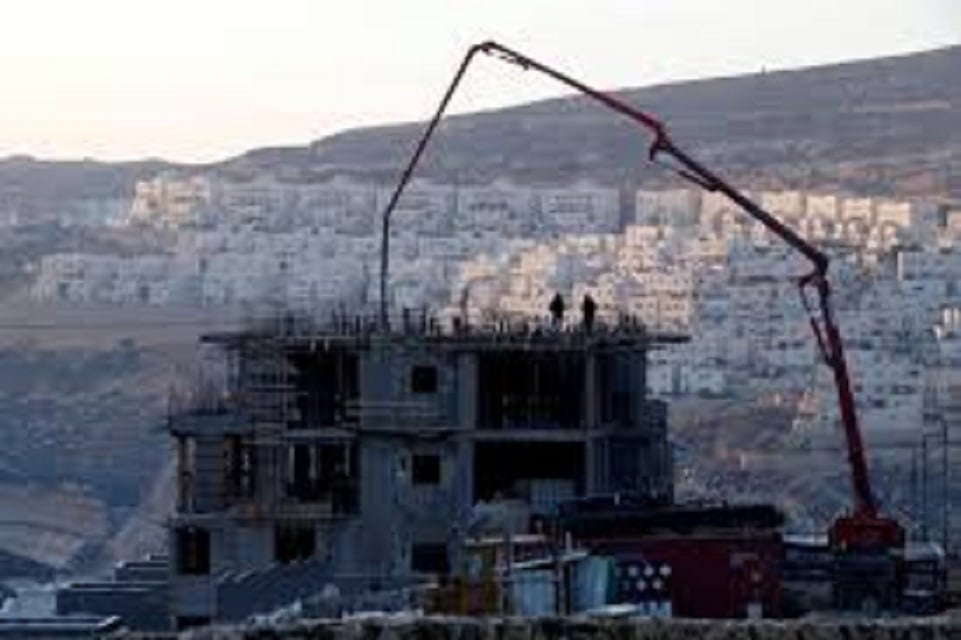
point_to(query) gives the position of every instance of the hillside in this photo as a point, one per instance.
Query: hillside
(83, 404)
(887, 125)
(879, 126)
(43, 190)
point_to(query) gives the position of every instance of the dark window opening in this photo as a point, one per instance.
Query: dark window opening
(510, 469)
(429, 557)
(425, 469)
(523, 390)
(186, 472)
(328, 387)
(423, 379)
(625, 465)
(323, 473)
(193, 551)
(293, 543)
(635, 465)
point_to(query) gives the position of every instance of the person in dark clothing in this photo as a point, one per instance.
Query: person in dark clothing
(588, 308)
(557, 310)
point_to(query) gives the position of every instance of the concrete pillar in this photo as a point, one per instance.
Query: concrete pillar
(463, 483)
(590, 466)
(208, 489)
(467, 387)
(590, 410)
(637, 390)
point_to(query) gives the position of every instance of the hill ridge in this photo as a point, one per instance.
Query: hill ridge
(876, 126)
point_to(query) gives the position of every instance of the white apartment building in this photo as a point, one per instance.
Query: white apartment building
(672, 208)
(673, 372)
(344, 206)
(577, 209)
(260, 202)
(788, 206)
(824, 207)
(170, 200)
(500, 207)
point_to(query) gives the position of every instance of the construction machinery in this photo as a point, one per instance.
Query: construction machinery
(866, 544)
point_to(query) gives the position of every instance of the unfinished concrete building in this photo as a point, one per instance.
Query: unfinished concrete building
(358, 458)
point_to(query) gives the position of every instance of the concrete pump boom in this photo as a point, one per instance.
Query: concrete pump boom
(864, 527)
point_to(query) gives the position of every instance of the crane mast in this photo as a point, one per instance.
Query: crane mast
(864, 528)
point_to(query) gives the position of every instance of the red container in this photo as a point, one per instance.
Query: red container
(707, 576)
(706, 562)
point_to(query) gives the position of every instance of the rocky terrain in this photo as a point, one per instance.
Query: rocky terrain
(83, 405)
(41, 190)
(882, 126)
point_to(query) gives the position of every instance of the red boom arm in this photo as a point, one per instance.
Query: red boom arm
(825, 330)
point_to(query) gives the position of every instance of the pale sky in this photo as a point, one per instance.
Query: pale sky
(198, 80)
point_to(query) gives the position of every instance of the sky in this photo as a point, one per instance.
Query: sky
(201, 80)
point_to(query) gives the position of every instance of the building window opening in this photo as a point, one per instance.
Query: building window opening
(186, 472)
(328, 388)
(541, 473)
(323, 473)
(425, 469)
(302, 480)
(423, 379)
(293, 543)
(193, 551)
(429, 557)
(520, 390)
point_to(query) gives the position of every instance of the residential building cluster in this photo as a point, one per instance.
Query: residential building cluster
(309, 245)
(695, 264)
(678, 260)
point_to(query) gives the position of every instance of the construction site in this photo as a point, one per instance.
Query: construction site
(473, 470)
(397, 462)
(373, 455)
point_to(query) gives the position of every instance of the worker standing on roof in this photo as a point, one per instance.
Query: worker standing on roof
(588, 308)
(557, 310)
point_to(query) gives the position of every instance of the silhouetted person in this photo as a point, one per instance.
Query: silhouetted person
(588, 308)
(557, 310)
